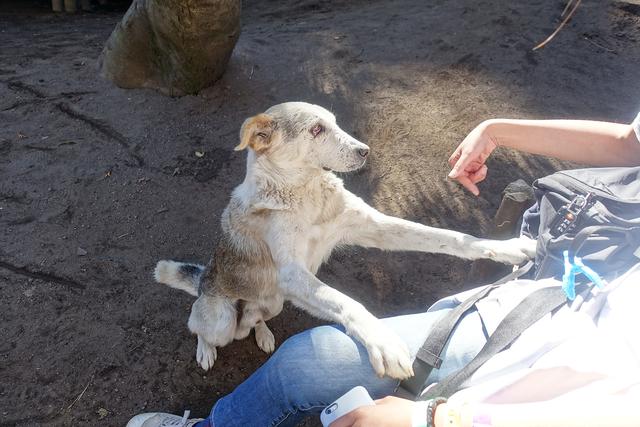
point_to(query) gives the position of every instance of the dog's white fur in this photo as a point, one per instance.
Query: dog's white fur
(283, 222)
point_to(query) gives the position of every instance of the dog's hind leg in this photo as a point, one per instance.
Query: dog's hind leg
(264, 337)
(206, 354)
(271, 307)
(254, 315)
(213, 319)
(251, 315)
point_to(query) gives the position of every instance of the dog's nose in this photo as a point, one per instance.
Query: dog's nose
(364, 152)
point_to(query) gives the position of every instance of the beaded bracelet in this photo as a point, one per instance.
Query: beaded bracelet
(431, 410)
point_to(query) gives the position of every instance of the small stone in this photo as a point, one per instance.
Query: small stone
(102, 413)
(81, 251)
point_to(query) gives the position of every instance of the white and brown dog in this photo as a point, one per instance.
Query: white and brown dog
(283, 222)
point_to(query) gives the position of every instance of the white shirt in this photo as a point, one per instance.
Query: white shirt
(582, 349)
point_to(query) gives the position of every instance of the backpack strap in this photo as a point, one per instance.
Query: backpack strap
(533, 308)
(428, 356)
(630, 233)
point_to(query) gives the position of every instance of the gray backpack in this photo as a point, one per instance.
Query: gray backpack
(591, 213)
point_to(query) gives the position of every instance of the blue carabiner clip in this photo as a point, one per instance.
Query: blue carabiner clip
(591, 275)
(568, 278)
(571, 268)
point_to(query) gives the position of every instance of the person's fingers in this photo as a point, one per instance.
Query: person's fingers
(460, 165)
(479, 175)
(468, 184)
(347, 420)
(455, 156)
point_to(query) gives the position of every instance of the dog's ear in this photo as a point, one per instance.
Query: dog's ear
(256, 133)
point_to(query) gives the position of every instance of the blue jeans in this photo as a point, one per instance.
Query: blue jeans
(312, 369)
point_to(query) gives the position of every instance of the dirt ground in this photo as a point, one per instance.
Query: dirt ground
(98, 183)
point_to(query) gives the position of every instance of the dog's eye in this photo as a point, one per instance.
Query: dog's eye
(262, 134)
(316, 130)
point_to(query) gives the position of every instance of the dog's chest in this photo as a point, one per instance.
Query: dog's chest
(318, 245)
(318, 231)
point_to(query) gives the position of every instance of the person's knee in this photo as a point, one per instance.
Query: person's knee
(318, 352)
(309, 367)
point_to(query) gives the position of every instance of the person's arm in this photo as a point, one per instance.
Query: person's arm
(583, 141)
(618, 410)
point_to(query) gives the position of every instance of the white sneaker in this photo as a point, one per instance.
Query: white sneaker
(159, 419)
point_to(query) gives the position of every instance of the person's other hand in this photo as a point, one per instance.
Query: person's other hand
(388, 412)
(468, 160)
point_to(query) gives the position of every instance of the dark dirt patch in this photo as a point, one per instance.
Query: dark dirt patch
(98, 183)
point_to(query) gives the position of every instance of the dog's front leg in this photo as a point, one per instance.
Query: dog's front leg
(375, 229)
(388, 354)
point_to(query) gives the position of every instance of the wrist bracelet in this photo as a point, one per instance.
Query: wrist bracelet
(431, 410)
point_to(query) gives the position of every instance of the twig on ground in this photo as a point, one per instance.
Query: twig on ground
(566, 9)
(562, 24)
(81, 394)
(599, 45)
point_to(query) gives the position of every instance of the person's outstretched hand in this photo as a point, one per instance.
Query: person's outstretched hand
(468, 160)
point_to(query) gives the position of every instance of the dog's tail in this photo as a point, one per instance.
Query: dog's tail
(179, 275)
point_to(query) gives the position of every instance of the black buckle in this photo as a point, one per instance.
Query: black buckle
(568, 215)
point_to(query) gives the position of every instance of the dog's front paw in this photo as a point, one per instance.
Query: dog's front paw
(388, 354)
(205, 354)
(512, 251)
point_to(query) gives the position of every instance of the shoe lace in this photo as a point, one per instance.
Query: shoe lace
(173, 421)
(185, 418)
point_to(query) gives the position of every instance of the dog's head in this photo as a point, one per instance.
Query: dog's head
(301, 135)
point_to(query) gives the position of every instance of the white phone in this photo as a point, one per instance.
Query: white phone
(353, 399)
